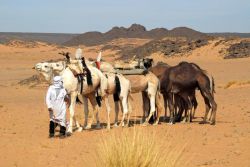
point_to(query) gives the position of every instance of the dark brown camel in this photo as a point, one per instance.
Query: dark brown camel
(182, 80)
(179, 105)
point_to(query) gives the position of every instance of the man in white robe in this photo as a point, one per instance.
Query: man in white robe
(55, 100)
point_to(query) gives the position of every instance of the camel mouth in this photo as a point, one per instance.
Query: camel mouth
(37, 68)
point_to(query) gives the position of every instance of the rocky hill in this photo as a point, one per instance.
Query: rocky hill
(167, 47)
(134, 31)
(238, 50)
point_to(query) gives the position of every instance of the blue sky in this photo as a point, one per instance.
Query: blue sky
(78, 16)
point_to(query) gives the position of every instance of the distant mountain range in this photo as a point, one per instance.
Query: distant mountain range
(134, 31)
(230, 34)
(96, 38)
(54, 38)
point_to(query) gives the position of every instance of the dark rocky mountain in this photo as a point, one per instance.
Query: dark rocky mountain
(134, 31)
(238, 50)
(168, 47)
(54, 38)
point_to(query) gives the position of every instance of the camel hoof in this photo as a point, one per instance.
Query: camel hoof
(87, 127)
(212, 123)
(203, 122)
(70, 130)
(156, 123)
(145, 124)
(170, 123)
(126, 125)
(108, 127)
(121, 124)
(79, 129)
(68, 133)
(98, 126)
(115, 125)
(183, 121)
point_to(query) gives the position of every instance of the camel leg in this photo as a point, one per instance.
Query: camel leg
(207, 104)
(95, 111)
(165, 106)
(214, 108)
(189, 111)
(145, 106)
(210, 103)
(159, 108)
(108, 109)
(195, 104)
(152, 108)
(86, 111)
(125, 110)
(72, 111)
(171, 108)
(116, 113)
(129, 112)
(98, 125)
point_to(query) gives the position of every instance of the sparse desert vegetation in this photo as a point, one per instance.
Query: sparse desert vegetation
(138, 148)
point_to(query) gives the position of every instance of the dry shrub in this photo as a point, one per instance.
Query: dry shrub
(136, 148)
(238, 83)
(229, 84)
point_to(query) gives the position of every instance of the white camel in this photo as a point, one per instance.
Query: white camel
(123, 94)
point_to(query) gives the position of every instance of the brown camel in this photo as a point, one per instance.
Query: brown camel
(182, 80)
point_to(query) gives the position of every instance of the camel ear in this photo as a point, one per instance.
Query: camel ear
(67, 56)
(61, 53)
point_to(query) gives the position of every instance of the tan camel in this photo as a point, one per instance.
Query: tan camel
(148, 84)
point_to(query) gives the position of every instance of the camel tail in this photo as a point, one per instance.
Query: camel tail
(99, 100)
(117, 89)
(213, 86)
(78, 101)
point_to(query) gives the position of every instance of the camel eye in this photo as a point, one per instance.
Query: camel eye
(57, 65)
(46, 66)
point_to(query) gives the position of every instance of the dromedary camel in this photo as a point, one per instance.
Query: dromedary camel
(148, 84)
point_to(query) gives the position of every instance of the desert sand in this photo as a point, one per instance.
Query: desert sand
(24, 118)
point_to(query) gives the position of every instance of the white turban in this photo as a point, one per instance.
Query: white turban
(58, 82)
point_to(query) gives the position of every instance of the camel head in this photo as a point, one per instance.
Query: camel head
(58, 66)
(45, 69)
(147, 62)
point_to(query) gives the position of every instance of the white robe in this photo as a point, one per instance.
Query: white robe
(55, 100)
